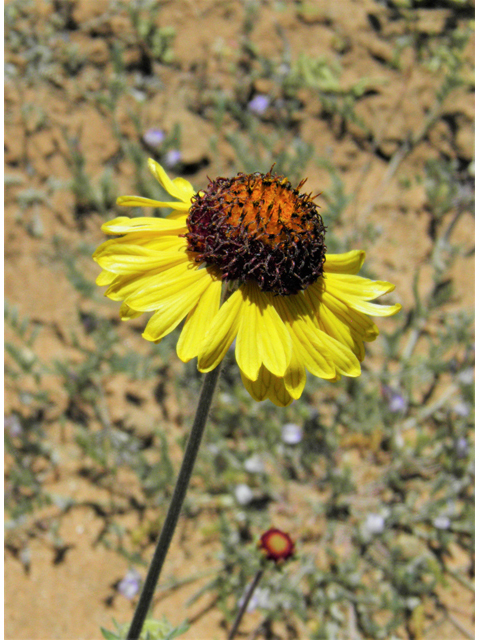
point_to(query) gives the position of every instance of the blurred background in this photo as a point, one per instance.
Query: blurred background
(372, 477)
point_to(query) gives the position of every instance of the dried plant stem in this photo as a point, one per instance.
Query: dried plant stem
(463, 630)
(193, 444)
(245, 602)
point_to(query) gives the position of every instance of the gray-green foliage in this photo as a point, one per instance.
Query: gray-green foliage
(152, 630)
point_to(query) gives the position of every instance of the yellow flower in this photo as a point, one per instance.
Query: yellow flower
(293, 306)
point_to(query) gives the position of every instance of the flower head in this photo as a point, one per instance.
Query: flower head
(129, 584)
(277, 545)
(396, 401)
(258, 228)
(153, 137)
(13, 425)
(461, 447)
(259, 104)
(173, 157)
(442, 522)
(292, 433)
(292, 306)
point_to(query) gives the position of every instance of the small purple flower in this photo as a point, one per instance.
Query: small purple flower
(154, 137)
(396, 402)
(130, 584)
(462, 409)
(173, 157)
(461, 447)
(13, 425)
(442, 522)
(292, 433)
(259, 104)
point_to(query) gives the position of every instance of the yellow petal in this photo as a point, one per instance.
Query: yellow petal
(138, 201)
(141, 239)
(124, 286)
(221, 334)
(295, 376)
(302, 330)
(199, 321)
(278, 394)
(105, 277)
(184, 188)
(328, 356)
(262, 335)
(345, 361)
(331, 323)
(126, 313)
(340, 284)
(275, 342)
(247, 348)
(268, 386)
(157, 242)
(350, 262)
(123, 225)
(167, 284)
(342, 352)
(178, 188)
(126, 258)
(358, 323)
(174, 309)
(370, 308)
(258, 389)
(176, 215)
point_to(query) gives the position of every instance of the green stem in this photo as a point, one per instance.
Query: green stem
(245, 602)
(193, 444)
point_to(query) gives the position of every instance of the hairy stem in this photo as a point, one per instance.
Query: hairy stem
(193, 444)
(245, 602)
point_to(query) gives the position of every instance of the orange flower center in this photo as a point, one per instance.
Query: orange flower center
(258, 227)
(277, 545)
(268, 207)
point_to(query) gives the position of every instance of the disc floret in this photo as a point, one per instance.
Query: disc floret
(258, 227)
(277, 545)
